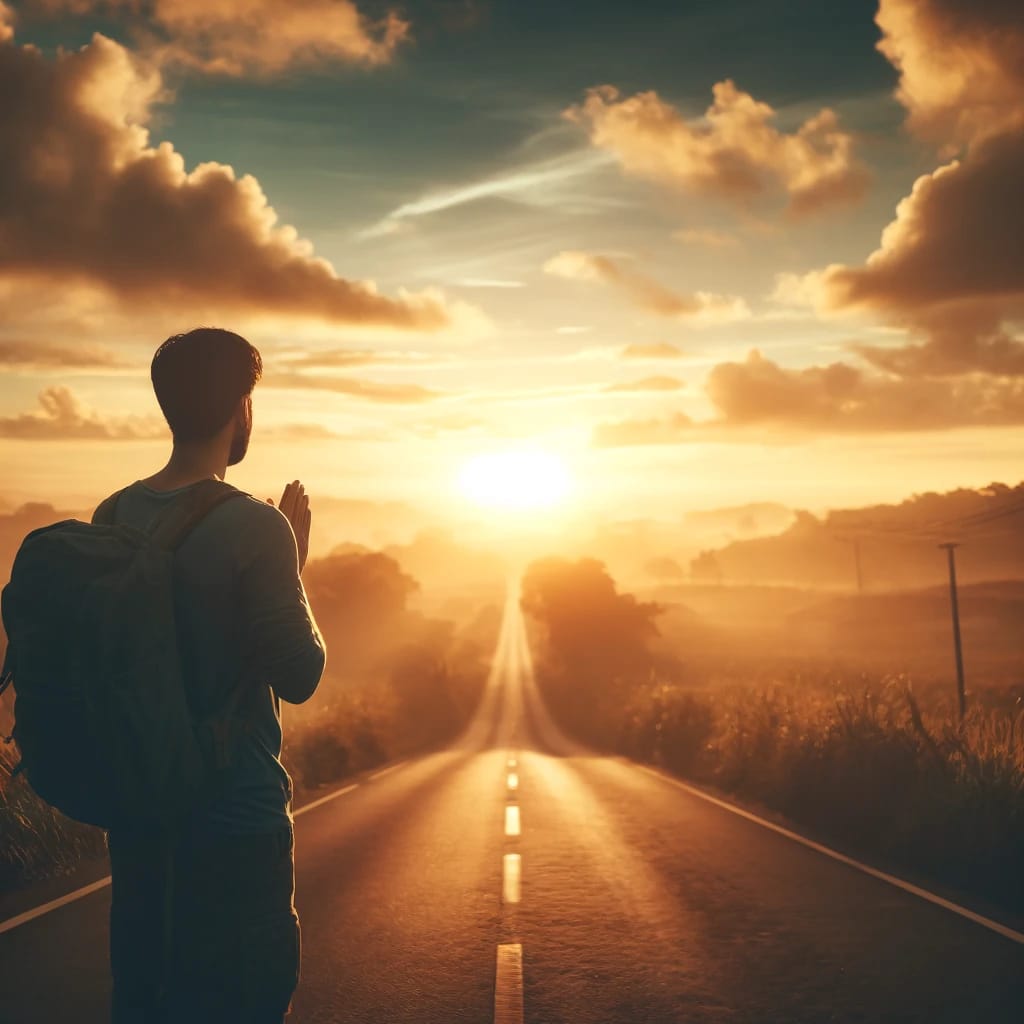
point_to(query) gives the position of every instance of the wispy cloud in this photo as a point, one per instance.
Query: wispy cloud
(526, 183)
(398, 394)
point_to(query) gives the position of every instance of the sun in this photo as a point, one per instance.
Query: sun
(515, 480)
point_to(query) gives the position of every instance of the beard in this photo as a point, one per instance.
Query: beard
(240, 442)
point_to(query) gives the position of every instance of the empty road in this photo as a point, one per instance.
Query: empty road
(517, 877)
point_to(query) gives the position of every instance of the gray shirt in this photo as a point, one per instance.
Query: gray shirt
(241, 609)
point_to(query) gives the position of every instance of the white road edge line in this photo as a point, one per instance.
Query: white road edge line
(384, 771)
(508, 984)
(87, 890)
(899, 883)
(30, 915)
(325, 799)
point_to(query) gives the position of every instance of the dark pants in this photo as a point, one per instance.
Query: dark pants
(231, 953)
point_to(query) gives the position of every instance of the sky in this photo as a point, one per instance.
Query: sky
(704, 253)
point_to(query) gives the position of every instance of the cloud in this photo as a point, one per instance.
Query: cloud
(655, 350)
(961, 65)
(528, 183)
(649, 384)
(707, 237)
(734, 153)
(63, 416)
(86, 199)
(950, 266)
(297, 432)
(33, 355)
(645, 292)
(245, 37)
(630, 433)
(344, 358)
(758, 395)
(397, 394)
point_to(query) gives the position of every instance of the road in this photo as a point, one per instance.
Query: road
(632, 901)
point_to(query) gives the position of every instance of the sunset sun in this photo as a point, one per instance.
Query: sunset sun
(515, 480)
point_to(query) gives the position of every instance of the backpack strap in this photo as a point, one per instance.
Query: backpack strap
(106, 509)
(175, 523)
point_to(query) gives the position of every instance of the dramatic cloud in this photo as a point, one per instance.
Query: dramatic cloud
(245, 37)
(654, 351)
(961, 65)
(758, 394)
(734, 152)
(958, 236)
(85, 199)
(62, 416)
(649, 384)
(397, 394)
(644, 291)
(32, 355)
(951, 264)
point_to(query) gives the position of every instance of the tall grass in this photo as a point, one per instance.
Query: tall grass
(36, 840)
(865, 763)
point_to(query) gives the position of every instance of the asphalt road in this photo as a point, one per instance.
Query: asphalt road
(631, 901)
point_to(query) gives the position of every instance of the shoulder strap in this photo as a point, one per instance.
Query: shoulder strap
(105, 511)
(176, 522)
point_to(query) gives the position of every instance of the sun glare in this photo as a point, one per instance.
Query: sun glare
(521, 480)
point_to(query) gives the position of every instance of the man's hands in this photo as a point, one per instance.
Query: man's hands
(295, 506)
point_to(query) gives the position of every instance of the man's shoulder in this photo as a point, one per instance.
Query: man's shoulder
(244, 509)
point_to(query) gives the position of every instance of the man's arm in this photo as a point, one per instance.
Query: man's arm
(283, 642)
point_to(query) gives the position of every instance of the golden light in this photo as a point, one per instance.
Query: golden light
(520, 480)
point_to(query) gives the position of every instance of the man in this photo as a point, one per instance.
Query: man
(208, 931)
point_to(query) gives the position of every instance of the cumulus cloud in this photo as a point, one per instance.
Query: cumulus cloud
(63, 416)
(735, 152)
(644, 291)
(950, 266)
(85, 198)
(961, 65)
(397, 394)
(245, 37)
(653, 351)
(649, 384)
(759, 394)
(21, 354)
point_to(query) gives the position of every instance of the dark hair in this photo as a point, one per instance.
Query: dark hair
(199, 377)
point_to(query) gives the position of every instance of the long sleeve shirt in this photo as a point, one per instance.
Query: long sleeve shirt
(242, 614)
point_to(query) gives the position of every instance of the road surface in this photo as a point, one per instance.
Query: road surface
(517, 877)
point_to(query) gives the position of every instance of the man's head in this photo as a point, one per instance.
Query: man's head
(203, 381)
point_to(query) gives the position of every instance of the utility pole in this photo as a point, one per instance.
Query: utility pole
(855, 541)
(950, 548)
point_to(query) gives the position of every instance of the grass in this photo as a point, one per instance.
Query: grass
(866, 762)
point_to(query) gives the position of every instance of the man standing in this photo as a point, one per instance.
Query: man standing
(206, 930)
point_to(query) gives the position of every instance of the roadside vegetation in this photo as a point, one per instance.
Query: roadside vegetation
(397, 682)
(876, 764)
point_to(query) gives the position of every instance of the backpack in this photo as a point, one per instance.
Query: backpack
(101, 715)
